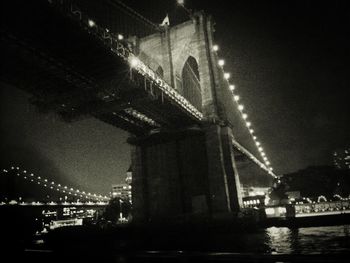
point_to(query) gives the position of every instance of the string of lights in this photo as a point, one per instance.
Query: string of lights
(137, 64)
(266, 165)
(120, 48)
(26, 175)
(237, 101)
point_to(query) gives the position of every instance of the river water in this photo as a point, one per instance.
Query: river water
(273, 244)
(309, 240)
(269, 241)
(277, 240)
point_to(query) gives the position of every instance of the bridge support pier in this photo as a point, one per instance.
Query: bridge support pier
(225, 193)
(184, 175)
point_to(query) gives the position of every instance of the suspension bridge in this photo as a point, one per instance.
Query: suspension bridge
(193, 143)
(55, 194)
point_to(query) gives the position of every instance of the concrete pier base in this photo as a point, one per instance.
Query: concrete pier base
(183, 176)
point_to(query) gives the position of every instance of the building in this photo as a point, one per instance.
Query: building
(341, 159)
(255, 201)
(254, 191)
(121, 190)
(128, 176)
(293, 195)
(254, 196)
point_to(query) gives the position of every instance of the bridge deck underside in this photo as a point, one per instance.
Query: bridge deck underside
(72, 72)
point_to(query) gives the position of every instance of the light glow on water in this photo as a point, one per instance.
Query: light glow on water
(309, 240)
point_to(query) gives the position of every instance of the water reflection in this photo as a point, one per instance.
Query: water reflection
(273, 240)
(279, 239)
(310, 240)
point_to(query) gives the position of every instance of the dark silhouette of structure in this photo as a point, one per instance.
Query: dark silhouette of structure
(165, 85)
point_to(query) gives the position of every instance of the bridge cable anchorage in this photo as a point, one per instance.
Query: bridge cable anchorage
(240, 107)
(29, 176)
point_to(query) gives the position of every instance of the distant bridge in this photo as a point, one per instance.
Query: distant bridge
(50, 187)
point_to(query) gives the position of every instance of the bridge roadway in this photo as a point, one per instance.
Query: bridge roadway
(103, 84)
(77, 71)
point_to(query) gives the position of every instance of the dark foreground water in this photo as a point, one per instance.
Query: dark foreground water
(273, 244)
(281, 240)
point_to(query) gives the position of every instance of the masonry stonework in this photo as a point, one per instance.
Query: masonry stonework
(183, 173)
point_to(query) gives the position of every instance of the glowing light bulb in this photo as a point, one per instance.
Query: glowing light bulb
(215, 47)
(120, 37)
(232, 87)
(134, 62)
(236, 98)
(240, 107)
(221, 62)
(248, 123)
(251, 130)
(245, 115)
(257, 143)
(227, 75)
(91, 23)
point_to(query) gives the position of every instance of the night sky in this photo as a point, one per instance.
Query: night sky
(289, 61)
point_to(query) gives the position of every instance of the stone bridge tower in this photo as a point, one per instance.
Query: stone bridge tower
(190, 171)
